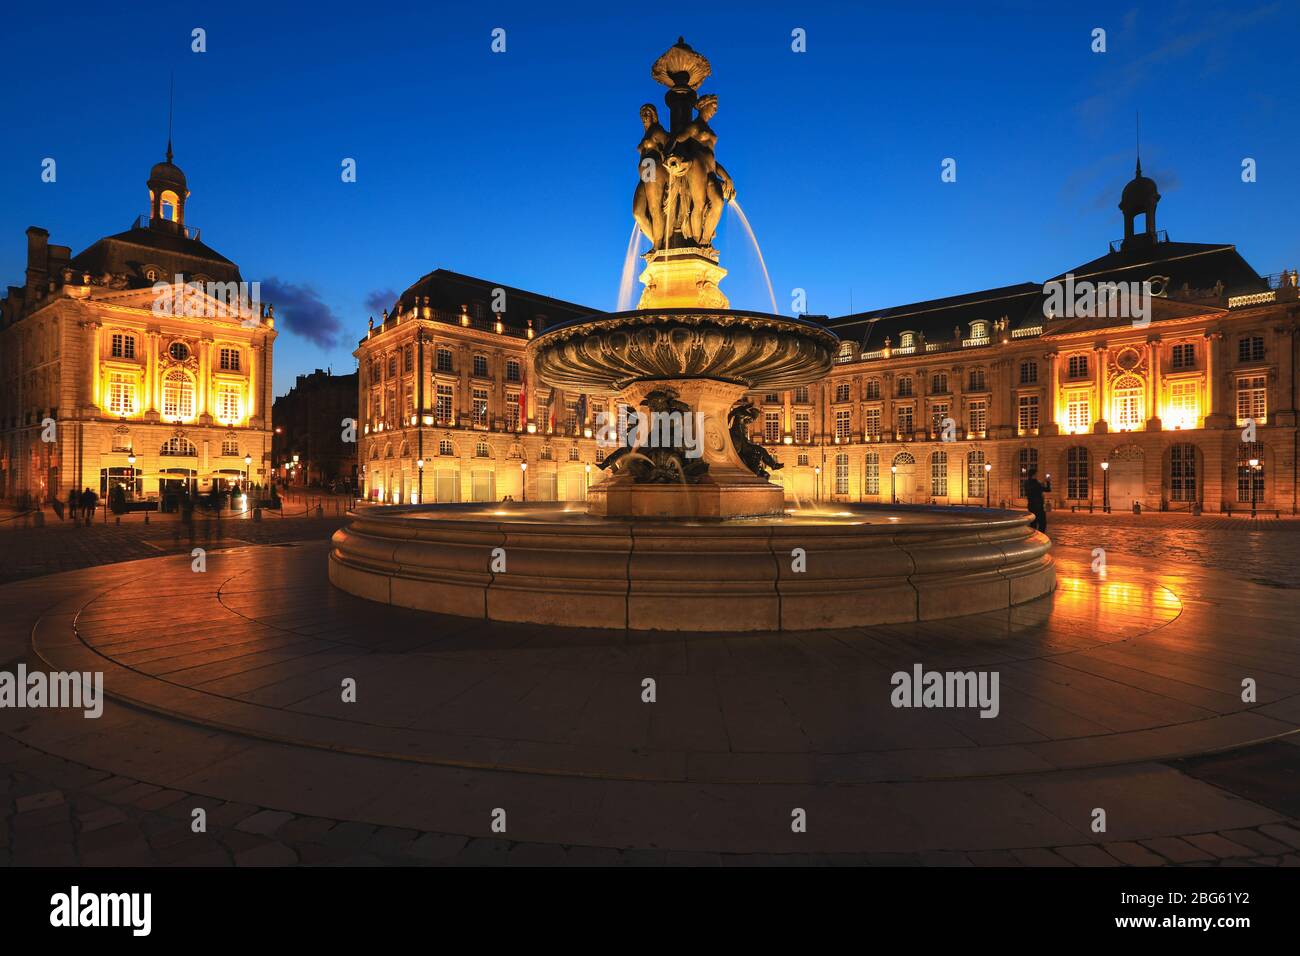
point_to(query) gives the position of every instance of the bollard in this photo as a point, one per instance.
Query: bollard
(257, 514)
(39, 518)
(146, 517)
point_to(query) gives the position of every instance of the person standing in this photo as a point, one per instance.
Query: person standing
(74, 502)
(88, 501)
(1034, 490)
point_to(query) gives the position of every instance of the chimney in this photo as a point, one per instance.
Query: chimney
(38, 257)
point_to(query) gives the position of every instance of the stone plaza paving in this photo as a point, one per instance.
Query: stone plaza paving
(1120, 692)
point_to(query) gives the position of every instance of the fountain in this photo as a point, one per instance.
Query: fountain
(685, 532)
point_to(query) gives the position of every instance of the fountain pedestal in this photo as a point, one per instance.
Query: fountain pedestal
(728, 490)
(685, 278)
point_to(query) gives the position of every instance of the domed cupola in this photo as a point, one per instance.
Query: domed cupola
(1139, 198)
(167, 194)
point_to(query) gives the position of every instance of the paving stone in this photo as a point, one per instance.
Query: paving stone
(237, 841)
(39, 801)
(268, 854)
(110, 786)
(594, 856)
(943, 858)
(480, 852)
(537, 854)
(1255, 840)
(1176, 850)
(46, 855)
(198, 845)
(1087, 855)
(39, 818)
(437, 847)
(1038, 856)
(993, 858)
(132, 854)
(51, 834)
(391, 840)
(131, 794)
(691, 858)
(112, 836)
(230, 814)
(264, 822)
(1133, 854)
(173, 834)
(156, 801)
(1291, 859)
(1214, 844)
(349, 835)
(1281, 831)
(305, 829)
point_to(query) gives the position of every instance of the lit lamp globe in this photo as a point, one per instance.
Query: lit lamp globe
(419, 463)
(1254, 463)
(1105, 466)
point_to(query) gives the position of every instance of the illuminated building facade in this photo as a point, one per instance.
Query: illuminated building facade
(114, 373)
(949, 401)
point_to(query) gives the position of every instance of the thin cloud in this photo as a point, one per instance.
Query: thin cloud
(303, 313)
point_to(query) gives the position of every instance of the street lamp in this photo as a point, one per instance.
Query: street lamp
(1254, 468)
(817, 472)
(988, 467)
(130, 472)
(419, 470)
(587, 469)
(523, 482)
(1105, 487)
(893, 484)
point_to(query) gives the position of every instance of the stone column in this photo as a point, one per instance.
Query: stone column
(205, 374)
(1100, 355)
(1220, 409)
(1154, 358)
(1285, 415)
(96, 402)
(1052, 414)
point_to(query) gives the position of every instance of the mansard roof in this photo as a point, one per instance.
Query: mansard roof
(448, 291)
(936, 318)
(175, 253)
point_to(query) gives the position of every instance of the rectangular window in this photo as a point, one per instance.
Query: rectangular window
(771, 427)
(904, 420)
(1078, 366)
(443, 404)
(512, 411)
(121, 395)
(873, 388)
(1184, 404)
(1028, 413)
(1182, 473)
(123, 345)
(408, 359)
(480, 397)
(873, 422)
(938, 412)
(1184, 355)
(843, 424)
(1076, 474)
(512, 371)
(443, 360)
(230, 360)
(571, 416)
(842, 392)
(841, 474)
(1078, 411)
(801, 395)
(1028, 459)
(228, 404)
(229, 447)
(975, 475)
(1252, 399)
(1028, 373)
(939, 475)
(871, 475)
(1250, 349)
(802, 427)
(979, 417)
(976, 380)
(480, 366)
(410, 404)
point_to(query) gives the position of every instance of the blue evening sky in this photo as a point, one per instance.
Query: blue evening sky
(519, 167)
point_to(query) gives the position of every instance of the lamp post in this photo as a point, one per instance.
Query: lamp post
(295, 465)
(1254, 468)
(817, 473)
(523, 481)
(419, 469)
(587, 469)
(893, 484)
(1105, 487)
(130, 471)
(988, 489)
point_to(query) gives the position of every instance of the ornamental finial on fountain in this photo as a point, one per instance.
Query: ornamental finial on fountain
(682, 189)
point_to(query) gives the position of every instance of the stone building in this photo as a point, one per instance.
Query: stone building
(143, 361)
(950, 401)
(310, 420)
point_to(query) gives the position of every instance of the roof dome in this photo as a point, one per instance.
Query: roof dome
(167, 173)
(1140, 193)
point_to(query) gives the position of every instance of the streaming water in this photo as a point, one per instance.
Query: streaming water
(744, 221)
(630, 260)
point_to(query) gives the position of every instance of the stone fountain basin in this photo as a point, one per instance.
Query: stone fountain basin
(863, 565)
(605, 354)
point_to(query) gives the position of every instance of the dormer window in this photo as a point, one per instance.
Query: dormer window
(907, 340)
(979, 329)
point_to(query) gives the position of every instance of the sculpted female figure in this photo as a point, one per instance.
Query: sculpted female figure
(648, 201)
(708, 184)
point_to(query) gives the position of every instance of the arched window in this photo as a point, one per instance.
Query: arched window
(841, 474)
(178, 395)
(975, 475)
(406, 450)
(169, 203)
(481, 450)
(873, 388)
(905, 386)
(374, 452)
(939, 474)
(177, 447)
(1250, 478)
(904, 458)
(1128, 405)
(846, 352)
(1028, 462)
(1182, 473)
(1076, 473)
